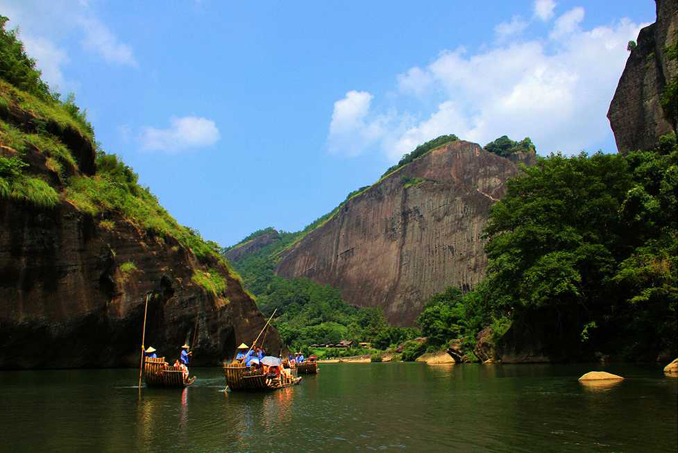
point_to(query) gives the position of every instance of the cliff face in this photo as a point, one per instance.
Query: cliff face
(252, 246)
(636, 115)
(416, 232)
(73, 285)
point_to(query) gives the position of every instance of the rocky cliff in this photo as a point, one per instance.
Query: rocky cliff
(252, 246)
(636, 114)
(74, 277)
(409, 236)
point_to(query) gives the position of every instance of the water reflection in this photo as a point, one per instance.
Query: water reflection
(601, 385)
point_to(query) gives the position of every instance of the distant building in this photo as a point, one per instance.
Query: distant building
(365, 344)
(344, 344)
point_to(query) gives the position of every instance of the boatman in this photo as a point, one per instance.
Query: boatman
(150, 353)
(185, 354)
(242, 350)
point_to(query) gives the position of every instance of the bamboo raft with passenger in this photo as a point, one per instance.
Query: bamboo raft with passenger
(310, 366)
(159, 373)
(268, 373)
(243, 378)
(156, 371)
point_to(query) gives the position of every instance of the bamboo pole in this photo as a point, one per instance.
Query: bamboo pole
(195, 328)
(262, 330)
(143, 339)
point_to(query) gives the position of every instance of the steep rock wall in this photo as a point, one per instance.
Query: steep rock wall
(409, 236)
(635, 114)
(66, 303)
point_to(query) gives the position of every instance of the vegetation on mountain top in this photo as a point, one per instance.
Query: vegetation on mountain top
(420, 151)
(505, 147)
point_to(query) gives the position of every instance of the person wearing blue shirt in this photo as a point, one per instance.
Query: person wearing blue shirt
(150, 353)
(260, 353)
(185, 354)
(249, 356)
(242, 351)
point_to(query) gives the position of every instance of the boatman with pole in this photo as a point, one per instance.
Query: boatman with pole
(185, 354)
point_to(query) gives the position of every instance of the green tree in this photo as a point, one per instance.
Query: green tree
(443, 317)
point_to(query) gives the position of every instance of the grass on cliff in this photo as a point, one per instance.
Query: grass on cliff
(211, 281)
(16, 185)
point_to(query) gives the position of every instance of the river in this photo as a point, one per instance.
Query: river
(347, 407)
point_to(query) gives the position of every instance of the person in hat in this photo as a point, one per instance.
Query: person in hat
(150, 353)
(185, 354)
(242, 350)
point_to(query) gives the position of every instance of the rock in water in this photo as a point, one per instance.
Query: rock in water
(436, 358)
(672, 368)
(600, 376)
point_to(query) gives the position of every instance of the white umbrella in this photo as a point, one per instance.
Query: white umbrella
(269, 360)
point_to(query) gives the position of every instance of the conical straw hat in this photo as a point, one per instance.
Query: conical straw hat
(150, 349)
(185, 347)
(243, 346)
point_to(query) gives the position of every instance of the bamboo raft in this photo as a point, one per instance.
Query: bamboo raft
(159, 373)
(309, 367)
(242, 378)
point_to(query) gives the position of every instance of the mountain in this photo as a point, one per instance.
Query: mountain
(645, 104)
(413, 233)
(82, 245)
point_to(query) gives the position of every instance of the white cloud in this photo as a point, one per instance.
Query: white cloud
(350, 132)
(185, 133)
(555, 91)
(568, 23)
(46, 25)
(543, 9)
(507, 29)
(99, 39)
(414, 81)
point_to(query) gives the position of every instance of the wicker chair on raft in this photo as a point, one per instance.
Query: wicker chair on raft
(158, 373)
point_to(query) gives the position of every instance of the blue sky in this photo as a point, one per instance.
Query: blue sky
(243, 115)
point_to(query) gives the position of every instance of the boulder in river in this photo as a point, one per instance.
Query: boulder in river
(600, 376)
(672, 368)
(437, 358)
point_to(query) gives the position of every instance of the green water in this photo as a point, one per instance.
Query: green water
(347, 407)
